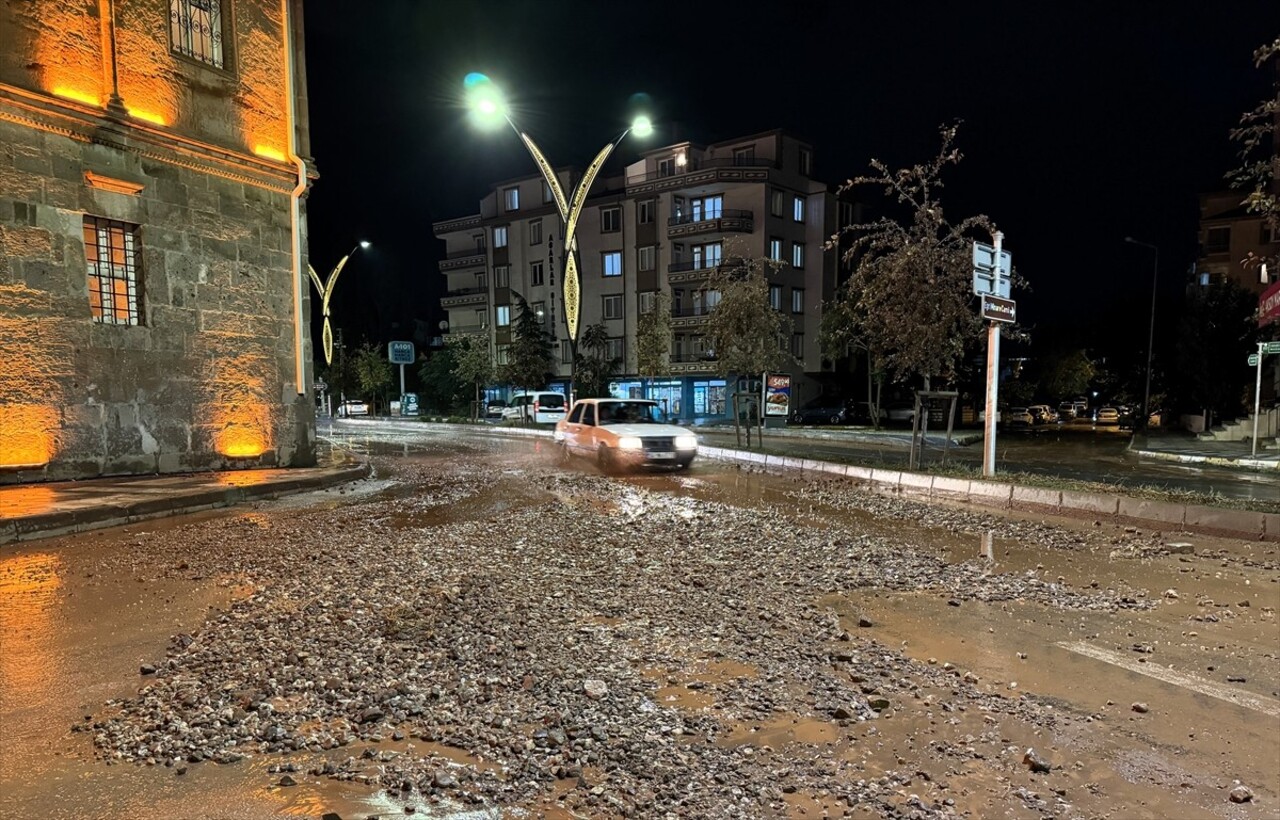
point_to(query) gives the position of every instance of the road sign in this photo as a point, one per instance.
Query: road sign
(320, 386)
(1253, 359)
(1271, 347)
(992, 268)
(400, 352)
(999, 310)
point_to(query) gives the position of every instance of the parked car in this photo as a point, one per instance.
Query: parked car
(494, 407)
(540, 407)
(625, 433)
(1066, 411)
(352, 407)
(824, 411)
(1018, 417)
(901, 411)
(1107, 415)
(1043, 414)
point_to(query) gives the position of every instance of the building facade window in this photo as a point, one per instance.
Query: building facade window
(644, 211)
(706, 256)
(612, 305)
(645, 257)
(546, 192)
(797, 209)
(503, 354)
(500, 236)
(1217, 240)
(112, 252)
(745, 155)
(511, 199)
(775, 297)
(777, 202)
(797, 254)
(540, 310)
(535, 232)
(707, 207)
(566, 351)
(775, 249)
(614, 349)
(196, 30)
(535, 274)
(502, 276)
(806, 162)
(503, 318)
(645, 301)
(482, 281)
(610, 220)
(666, 167)
(611, 262)
(797, 345)
(797, 300)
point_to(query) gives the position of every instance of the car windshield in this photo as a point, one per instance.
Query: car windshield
(551, 400)
(630, 412)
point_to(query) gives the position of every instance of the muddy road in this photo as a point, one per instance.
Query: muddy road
(480, 631)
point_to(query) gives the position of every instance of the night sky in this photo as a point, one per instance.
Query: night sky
(1082, 123)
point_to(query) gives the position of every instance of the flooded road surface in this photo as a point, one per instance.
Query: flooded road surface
(478, 631)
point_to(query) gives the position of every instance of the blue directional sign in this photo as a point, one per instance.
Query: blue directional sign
(400, 352)
(991, 271)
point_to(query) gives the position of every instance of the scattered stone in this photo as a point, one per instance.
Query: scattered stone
(595, 689)
(287, 780)
(1236, 679)
(1140, 707)
(865, 622)
(1035, 762)
(147, 669)
(442, 779)
(1240, 794)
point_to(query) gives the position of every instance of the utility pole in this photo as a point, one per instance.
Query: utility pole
(992, 269)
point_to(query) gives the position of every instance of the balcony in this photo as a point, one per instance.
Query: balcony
(689, 315)
(700, 172)
(458, 224)
(724, 220)
(470, 258)
(695, 270)
(692, 363)
(468, 330)
(465, 296)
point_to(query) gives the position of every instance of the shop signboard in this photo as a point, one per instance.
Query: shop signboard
(777, 397)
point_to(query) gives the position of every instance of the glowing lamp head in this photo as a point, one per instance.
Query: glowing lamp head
(364, 244)
(488, 109)
(642, 127)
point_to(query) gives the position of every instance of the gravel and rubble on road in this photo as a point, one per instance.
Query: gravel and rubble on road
(560, 643)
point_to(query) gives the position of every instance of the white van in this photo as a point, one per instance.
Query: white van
(539, 407)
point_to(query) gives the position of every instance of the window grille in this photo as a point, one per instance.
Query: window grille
(195, 27)
(111, 250)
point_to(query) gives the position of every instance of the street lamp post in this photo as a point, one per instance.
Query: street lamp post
(1151, 329)
(325, 291)
(488, 106)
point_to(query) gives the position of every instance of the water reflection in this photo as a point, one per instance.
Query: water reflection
(29, 500)
(28, 595)
(987, 549)
(245, 478)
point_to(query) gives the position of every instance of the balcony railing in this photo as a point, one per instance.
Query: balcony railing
(467, 291)
(463, 330)
(690, 358)
(465, 296)
(705, 264)
(690, 310)
(707, 216)
(696, 165)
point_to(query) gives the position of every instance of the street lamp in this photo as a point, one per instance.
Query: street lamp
(489, 109)
(1151, 330)
(325, 290)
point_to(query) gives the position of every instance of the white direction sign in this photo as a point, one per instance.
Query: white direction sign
(991, 271)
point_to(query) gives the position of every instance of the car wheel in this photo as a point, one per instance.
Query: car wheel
(834, 419)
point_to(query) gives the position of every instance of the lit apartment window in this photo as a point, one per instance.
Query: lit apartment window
(612, 263)
(540, 310)
(797, 300)
(646, 301)
(776, 202)
(195, 28)
(775, 249)
(707, 207)
(502, 276)
(706, 256)
(115, 286)
(797, 254)
(535, 232)
(745, 155)
(1218, 240)
(644, 211)
(511, 197)
(797, 345)
(797, 209)
(610, 220)
(612, 306)
(500, 236)
(775, 297)
(535, 274)
(645, 257)
(806, 162)
(504, 316)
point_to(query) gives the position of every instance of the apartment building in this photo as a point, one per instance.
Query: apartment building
(153, 296)
(674, 216)
(1233, 243)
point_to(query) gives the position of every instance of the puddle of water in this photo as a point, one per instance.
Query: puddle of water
(693, 689)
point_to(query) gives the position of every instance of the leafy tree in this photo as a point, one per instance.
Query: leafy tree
(909, 298)
(1064, 374)
(529, 357)
(839, 339)
(1259, 170)
(1217, 331)
(443, 392)
(472, 364)
(746, 334)
(594, 368)
(372, 372)
(653, 339)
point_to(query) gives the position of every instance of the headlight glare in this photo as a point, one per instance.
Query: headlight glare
(686, 442)
(630, 443)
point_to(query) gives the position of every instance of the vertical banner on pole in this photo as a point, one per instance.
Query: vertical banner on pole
(992, 282)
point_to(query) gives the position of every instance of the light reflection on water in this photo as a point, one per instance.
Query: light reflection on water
(28, 596)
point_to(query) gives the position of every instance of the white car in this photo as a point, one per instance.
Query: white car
(353, 407)
(625, 433)
(1108, 415)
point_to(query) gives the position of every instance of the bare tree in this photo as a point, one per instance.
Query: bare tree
(1259, 138)
(653, 339)
(909, 298)
(472, 364)
(746, 334)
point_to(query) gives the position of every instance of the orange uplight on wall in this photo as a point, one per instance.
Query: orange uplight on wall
(267, 152)
(30, 393)
(238, 410)
(26, 435)
(77, 95)
(67, 51)
(147, 116)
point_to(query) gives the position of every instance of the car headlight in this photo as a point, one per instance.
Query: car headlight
(686, 442)
(630, 443)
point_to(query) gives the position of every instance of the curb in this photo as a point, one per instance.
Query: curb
(65, 522)
(1252, 463)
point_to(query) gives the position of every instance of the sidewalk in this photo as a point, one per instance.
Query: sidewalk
(1185, 448)
(30, 511)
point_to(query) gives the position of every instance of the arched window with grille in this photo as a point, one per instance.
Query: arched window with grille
(196, 29)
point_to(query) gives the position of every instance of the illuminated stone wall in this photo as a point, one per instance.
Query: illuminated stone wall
(208, 380)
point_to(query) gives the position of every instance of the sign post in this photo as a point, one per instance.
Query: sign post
(992, 272)
(1264, 349)
(401, 353)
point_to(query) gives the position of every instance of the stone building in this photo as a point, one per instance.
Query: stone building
(153, 301)
(663, 226)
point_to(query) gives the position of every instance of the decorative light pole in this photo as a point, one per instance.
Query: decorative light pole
(1151, 328)
(488, 108)
(325, 290)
